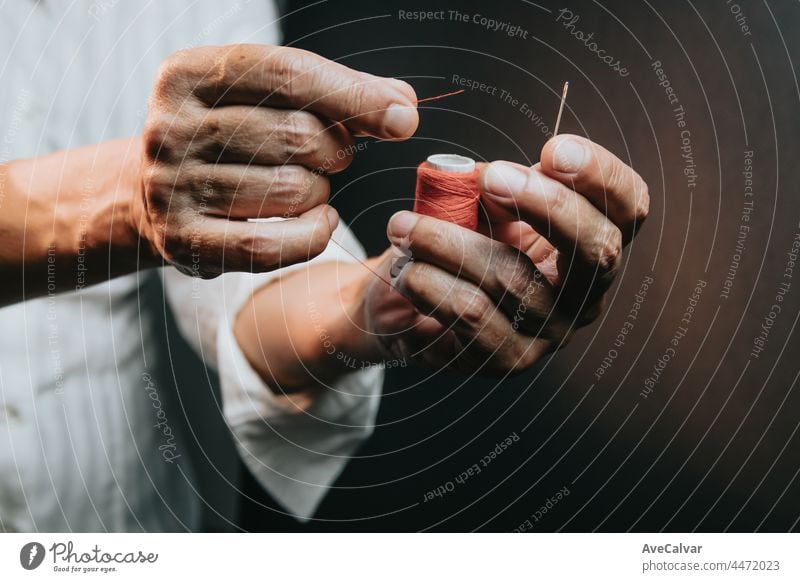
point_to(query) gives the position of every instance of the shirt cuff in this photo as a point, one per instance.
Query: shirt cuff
(295, 445)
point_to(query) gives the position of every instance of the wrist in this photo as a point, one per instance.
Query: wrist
(94, 223)
(135, 232)
(318, 312)
(357, 344)
(67, 220)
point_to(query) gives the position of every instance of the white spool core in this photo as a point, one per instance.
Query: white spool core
(452, 163)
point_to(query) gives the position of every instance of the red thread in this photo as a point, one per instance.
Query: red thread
(442, 96)
(448, 195)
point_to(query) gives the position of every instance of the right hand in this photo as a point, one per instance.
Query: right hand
(496, 302)
(251, 131)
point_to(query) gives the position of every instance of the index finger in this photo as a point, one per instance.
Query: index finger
(503, 272)
(607, 182)
(295, 78)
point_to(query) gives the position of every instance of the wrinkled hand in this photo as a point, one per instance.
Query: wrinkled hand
(250, 131)
(498, 300)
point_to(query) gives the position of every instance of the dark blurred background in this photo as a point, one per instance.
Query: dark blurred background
(714, 445)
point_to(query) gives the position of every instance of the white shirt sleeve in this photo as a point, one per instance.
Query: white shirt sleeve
(295, 445)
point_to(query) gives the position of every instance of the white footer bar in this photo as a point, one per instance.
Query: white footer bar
(401, 557)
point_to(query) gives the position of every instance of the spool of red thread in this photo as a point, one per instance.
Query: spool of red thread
(447, 188)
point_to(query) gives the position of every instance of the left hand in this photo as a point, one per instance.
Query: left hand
(498, 300)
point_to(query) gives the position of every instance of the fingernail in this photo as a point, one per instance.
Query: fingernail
(333, 218)
(401, 225)
(568, 156)
(504, 179)
(400, 120)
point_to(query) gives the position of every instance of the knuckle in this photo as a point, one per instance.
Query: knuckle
(184, 245)
(408, 277)
(301, 135)
(261, 252)
(434, 232)
(617, 176)
(172, 246)
(414, 278)
(642, 200)
(436, 235)
(344, 152)
(608, 249)
(520, 353)
(180, 60)
(296, 182)
(160, 136)
(415, 282)
(523, 358)
(226, 57)
(212, 129)
(344, 157)
(174, 74)
(288, 71)
(320, 186)
(205, 188)
(356, 99)
(218, 71)
(474, 307)
(165, 75)
(514, 274)
(557, 195)
(158, 186)
(627, 184)
(157, 177)
(319, 240)
(185, 60)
